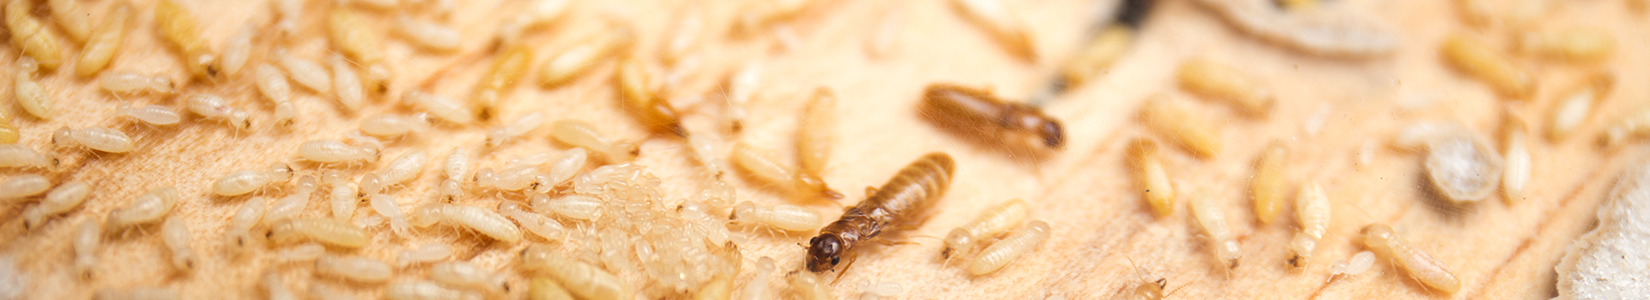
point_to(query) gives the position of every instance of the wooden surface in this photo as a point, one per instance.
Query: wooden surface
(1102, 229)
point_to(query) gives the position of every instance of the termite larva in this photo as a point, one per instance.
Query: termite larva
(574, 206)
(290, 206)
(508, 67)
(993, 222)
(581, 134)
(814, 133)
(24, 186)
(341, 196)
(214, 107)
(175, 234)
(1098, 55)
(59, 200)
(334, 151)
(71, 18)
(980, 112)
(1008, 249)
(132, 83)
(146, 208)
(353, 268)
(1573, 43)
(300, 253)
(782, 216)
(399, 171)
(238, 50)
(1576, 105)
(1462, 167)
(541, 288)
(178, 26)
(536, 224)
(275, 287)
(441, 107)
(637, 95)
(809, 286)
(424, 254)
(87, 239)
(392, 125)
(583, 279)
(105, 42)
(20, 156)
(879, 290)
(1421, 266)
(566, 165)
(150, 114)
(480, 220)
(147, 293)
(515, 129)
(1212, 219)
(1211, 79)
(240, 224)
(1312, 211)
(307, 73)
(908, 194)
(347, 84)
(1153, 177)
(1515, 148)
(1002, 24)
(430, 35)
(469, 276)
(354, 35)
(1267, 185)
(29, 94)
(1356, 265)
(424, 290)
(272, 84)
(579, 58)
(517, 178)
(1474, 57)
(761, 164)
(386, 206)
(31, 36)
(1173, 119)
(332, 232)
(246, 181)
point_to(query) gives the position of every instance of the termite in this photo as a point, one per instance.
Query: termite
(88, 238)
(334, 151)
(150, 114)
(429, 35)
(1463, 167)
(442, 107)
(247, 181)
(29, 94)
(24, 186)
(347, 84)
(1002, 24)
(175, 234)
(566, 165)
(300, 253)
(71, 18)
(392, 125)
(332, 232)
(586, 281)
(988, 225)
(386, 206)
(105, 42)
(404, 168)
(536, 224)
(147, 208)
(1515, 148)
(1474, 57)
(783, 216)
(507, 68)
(308, 74)
(275, 287)
(59, 200)
(272, 83)
(427, 253)
(240, 224)
(761, 164)
(579, 58)
(1576, 105)
(1098, 55)
(757, 288)
(574, 206)
(980, 112)
(541, 288)
(1153, 177)
(238, 50)
(424, 290)
(341, 196)
(31, 36)
(20, 156)
(1573, 43)
(741, 87)
(178, 26)
(1356, 265)
(1173, 119)
(538, 13)
(486, 222)
(637, 95)
(1217, 81)
(133, 83)
(469, 276)
(809, 286)
(1267, 185)
(814, 133)
(1421, 266)
(353, 268)
(1212, 219)
(1008, 249)
(907, 195)
(290, 206)
(215, 107)
(145, 293)
(517, 178)
(879, 290)
(354, 35)
(288, 13)
(515, 129)
(581, 134)
(1312, 211)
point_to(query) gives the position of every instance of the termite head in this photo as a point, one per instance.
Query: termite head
(824, 252)
(1053, 136)
(1031, 120)
(957, 241)
(60, 137)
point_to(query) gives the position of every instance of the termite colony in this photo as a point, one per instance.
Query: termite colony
(552, 205)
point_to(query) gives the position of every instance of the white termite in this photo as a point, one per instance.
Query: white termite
(215, 107)
(351, 94)
(1008, 249)
(577, 59)
(133, 83)
(580, 207)
(341, 197)
(247, 181)
(300, 253)
(706, 152)
(1312, 211)
(385, 206)
(992, 223)
(145, 293)
(456, 168)
(1577, 104)
(468, 276)
(1002, 24)
(582, 134)
(332, 232)
(566, 165)
(757, 289)
(29, 94)
(239, 235)
(334, 151)
(741, 87)
(353, 268)
(1212, 219)
(534, 223)
(783, 216)
(392, 125)
(1420, 266)
(427, 253)
(809, 286)
(96, 138)
(150, 114)
(879, 290)
(429, 35)
(59, 200)
(71, 18)
(292, 205)
(23, 186)
(544, 288)
(20, 156)
(237, 50)
(510, 179)
(175, 234)
(442, 107)
(480, 220)
(275, 288)
(88, 238)
(515, 129)
(425, 290)
(288, 13)
(1516, 149)
(539, 13)
(147, 208)
(307, 73)
(583, 279)
(323, 291)
(1356, 265)
(271, 83)
(105, 42)
(404, 168)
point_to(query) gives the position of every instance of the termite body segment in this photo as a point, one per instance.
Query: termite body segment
(1212, 218)
(982, 113)
(1267, 186)
(1222, 82)
(105, 42)
(178, 26)
(1477, 59)
(1153, 177)
(1312, 211)
(1175, 121)
(1418, 264)
(764, 166)
(637, 95)
(906, 196)
(992, 223)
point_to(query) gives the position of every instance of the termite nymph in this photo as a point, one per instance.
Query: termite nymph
(247, 181)
(332, 232)
(31, 36)
(1515, 148)
(782, 216)
(424, 254)
(23, 186)
(1576, 105)
(1212, 218)
(215, 107)
(1008, 249)
(1267, 185)
(992, 223)
(429, 35)
(88, 238)
(814, 133)
(1173, 119)
(1418, 264)
(147, 208)
(238, 50)
(982, 113)
(354, 35)
(33, 97)
(637, 95)
(483, 221)
(1211, 79)
(1151, 175)
(59, 200)
(582, 279)
(584, 135)
(176, 236)
(579, 58)
(353, 268)
(150, 114)
(1312, 211)
(308, 74)
(442, 107)
(764, 166)
(334, 151)
(105, 42)
(809, 286)
(1474, 57)
(907, 195)
(20, 156)
(132, 83)
(510, 65)
(179, 27)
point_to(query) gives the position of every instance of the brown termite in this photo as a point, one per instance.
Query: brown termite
(1153, 177)
(1002, 24)
(1177, 122)
(1418, 264)
(31, 36)
(1267, 186)
(59, 200)
(1576, 105)
(907, 195)
(764, 166)
(1218, 81)
(105, 42)
(980, 112)
(637, 95)
(1477, 59)
(507, 68)
(178, 26)
(992, 223)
